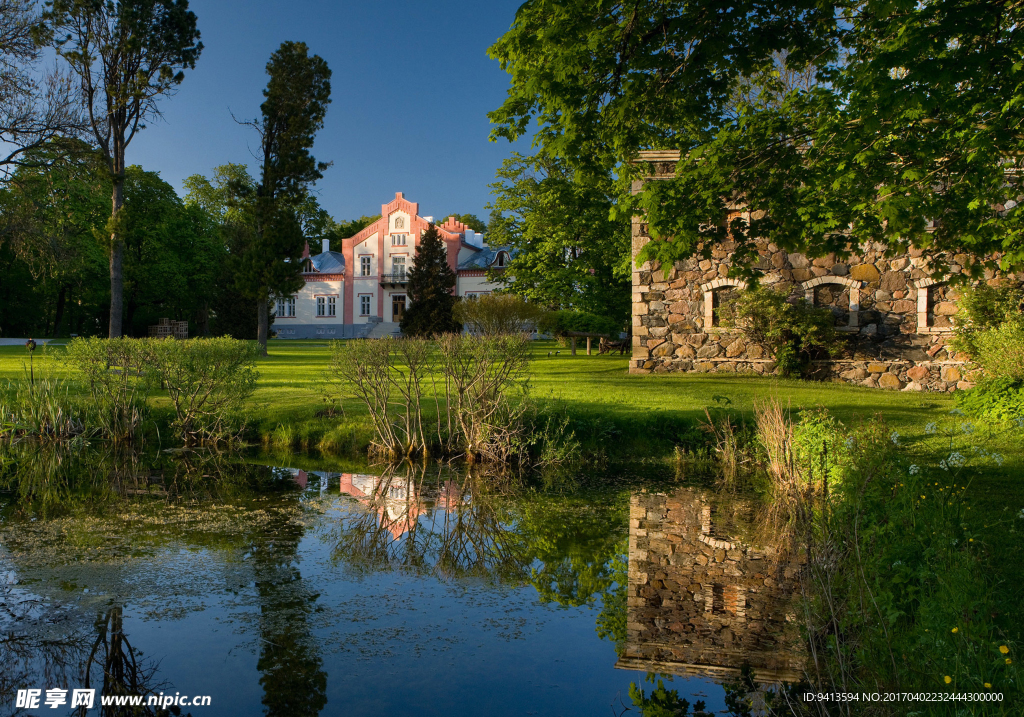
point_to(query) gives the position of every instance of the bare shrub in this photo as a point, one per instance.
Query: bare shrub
(486, 387)
(207, 380)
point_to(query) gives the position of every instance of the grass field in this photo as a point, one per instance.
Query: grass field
(589, 387)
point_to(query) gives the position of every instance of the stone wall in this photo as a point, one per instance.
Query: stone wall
(896, 320)
(701, 599)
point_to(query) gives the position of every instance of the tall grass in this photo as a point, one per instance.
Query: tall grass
(45, 409)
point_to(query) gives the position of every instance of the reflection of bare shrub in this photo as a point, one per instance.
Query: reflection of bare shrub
(450, 528)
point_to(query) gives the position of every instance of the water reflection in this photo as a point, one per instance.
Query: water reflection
(432, 522)
(319, 582)
(702, 598)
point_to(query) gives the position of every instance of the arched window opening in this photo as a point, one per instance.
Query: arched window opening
(718, 297)
(838, 293)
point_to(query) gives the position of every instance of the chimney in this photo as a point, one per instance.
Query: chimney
(398, 195)
(325, 244)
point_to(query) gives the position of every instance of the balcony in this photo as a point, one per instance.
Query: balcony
(399, 278)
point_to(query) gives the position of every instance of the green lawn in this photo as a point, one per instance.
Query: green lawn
(594, 385)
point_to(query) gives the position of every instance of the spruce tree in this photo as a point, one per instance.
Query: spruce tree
(431, 290)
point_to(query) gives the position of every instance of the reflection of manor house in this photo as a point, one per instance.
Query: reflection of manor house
(395, 500)
(362, 288)
(700, 601)
(897, 318)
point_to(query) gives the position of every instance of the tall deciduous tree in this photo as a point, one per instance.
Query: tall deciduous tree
(127, 54)
(297, 96)
(431, 290)
(567, 252)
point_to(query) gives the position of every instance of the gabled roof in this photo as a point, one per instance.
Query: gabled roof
(328, 262)
(485, 257)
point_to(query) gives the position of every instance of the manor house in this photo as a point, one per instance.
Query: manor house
(360, 290)
(896, 318)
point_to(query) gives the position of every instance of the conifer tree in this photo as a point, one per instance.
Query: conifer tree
(431, 290)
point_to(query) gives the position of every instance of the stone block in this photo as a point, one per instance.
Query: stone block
(802, 274)
(697, 339)
(950, 374)
(841, 269)
(917, 373)
(798, 261)
(639, 308)
(876, 367)
(754, 351)
(904, 306)
(854, 374)
(864, 272)
(945, 308)
(913, 386)
(735, 348)
(890, 381)
(664, 349)
(893, 281)
(709, 351)
(686, 351)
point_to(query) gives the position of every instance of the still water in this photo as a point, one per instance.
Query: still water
(354, 590)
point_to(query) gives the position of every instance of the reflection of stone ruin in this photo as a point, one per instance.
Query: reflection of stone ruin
(700, 600)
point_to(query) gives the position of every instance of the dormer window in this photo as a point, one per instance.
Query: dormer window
(500, 261)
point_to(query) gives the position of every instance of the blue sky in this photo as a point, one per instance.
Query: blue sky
(411, 87)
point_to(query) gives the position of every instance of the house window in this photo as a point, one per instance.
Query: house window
(398, 265)
(500, 263)
(398, 240)
(332, 306)
(321, 306)
(936, 306)
(364, 305)
(364, 266)
(285, 308)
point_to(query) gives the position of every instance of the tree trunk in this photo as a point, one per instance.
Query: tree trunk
(262, 323)
(59, 313)
(116, 257)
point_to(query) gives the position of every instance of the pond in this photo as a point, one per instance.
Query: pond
(281, 586)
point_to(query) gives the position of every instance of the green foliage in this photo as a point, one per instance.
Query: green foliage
(431, 290)
(44, 409)
(119, 376)
(344, 230)
(998, 400)
(567, 252)
(793, 333)
(494, 314)
(560, 323)
(55, 273)
(820, 449)
(902, 136)
(208, 382)
(981, 309)
(902, 595)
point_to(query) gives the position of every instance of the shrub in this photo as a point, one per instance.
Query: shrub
(560, 323)
(119, 376)
(981, 309)
(997, 400)
(497, 314)
(207, 381)
(43, 409)
(793, 333)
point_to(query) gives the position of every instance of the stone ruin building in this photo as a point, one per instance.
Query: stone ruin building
(702, 600)
(896, 317)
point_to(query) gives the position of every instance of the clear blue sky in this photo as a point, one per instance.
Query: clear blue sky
(411, 87)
